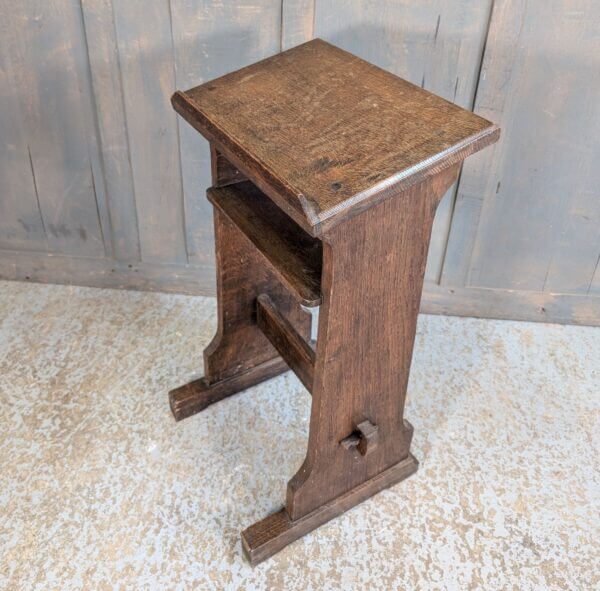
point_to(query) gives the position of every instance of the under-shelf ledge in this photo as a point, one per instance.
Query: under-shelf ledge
(293, 255)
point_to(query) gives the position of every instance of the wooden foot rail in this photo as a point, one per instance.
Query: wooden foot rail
(195, 396)
(276, 531)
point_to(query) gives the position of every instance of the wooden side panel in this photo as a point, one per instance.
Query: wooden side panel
(112, 124)
(146, 57)
(211, 39)
(396, 231)
(527, 213)
(437, 45)
(46, 44)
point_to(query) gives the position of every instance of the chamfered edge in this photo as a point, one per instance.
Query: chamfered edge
(294, 202)
(408, 177)
(286, 197)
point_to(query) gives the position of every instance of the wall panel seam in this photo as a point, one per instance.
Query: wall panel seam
(178, 132)
(126, 125)
(37, 197)
(107, 241)
(473, 103)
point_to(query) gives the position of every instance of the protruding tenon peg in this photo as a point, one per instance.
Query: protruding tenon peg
(364, 438)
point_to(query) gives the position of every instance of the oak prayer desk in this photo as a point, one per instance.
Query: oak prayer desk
(326, 175)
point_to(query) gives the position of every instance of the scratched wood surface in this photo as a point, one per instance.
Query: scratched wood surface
(100, 184)
(294, 256)
(325, 130)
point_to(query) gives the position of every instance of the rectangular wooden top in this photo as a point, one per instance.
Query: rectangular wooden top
(326, 134)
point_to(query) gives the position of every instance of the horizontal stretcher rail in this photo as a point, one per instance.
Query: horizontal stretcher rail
(294, 350)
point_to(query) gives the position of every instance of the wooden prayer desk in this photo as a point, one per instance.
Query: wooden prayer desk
(326, 174)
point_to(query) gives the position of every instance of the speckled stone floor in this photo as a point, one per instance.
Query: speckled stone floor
(101, 489)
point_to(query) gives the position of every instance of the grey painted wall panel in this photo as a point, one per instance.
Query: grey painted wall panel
(210, 40)
(530, 236)
(594, 289)
(145, 52)
(536, 225)
(21, 224)
(106, 78)
(86, 120)
(479, 176)
(297, 22)
(47, 50)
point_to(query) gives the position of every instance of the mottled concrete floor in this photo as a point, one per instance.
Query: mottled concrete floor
(101, 489)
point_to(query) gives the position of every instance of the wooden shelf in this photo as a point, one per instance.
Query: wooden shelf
(294, 256)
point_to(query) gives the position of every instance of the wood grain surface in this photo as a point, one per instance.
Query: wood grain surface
(274, 532)
(377, 249)
(436, 44)
(293, 348)
(365, 341)
(325, 130)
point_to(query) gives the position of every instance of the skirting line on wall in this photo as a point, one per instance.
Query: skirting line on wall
(95, 272)
(199, 280)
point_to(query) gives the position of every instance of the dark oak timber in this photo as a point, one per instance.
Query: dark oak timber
(292, 254)
(197, 395)
(372, 279)
(268, 536)
(222, 171)
(327, 173)
(239, 355)
(321, 131)
(296, 352)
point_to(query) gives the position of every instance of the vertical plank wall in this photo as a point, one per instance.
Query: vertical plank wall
(525, 234)
(101, 184)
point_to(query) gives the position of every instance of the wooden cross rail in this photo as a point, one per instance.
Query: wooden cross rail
(294, 350)
(327, 172)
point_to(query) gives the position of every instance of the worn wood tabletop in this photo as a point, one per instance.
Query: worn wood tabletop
(325, 130)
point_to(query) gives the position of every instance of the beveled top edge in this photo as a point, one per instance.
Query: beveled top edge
(403, 179)
(290, 198)
(276, 188)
